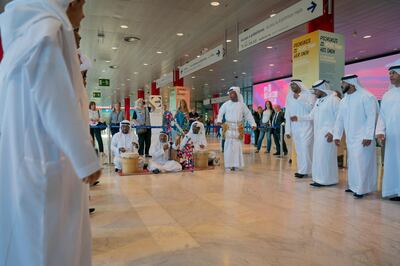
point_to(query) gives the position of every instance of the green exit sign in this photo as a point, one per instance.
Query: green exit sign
(104, 82)
(96, 94)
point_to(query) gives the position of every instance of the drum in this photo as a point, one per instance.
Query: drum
(201, 159)
(130, 163)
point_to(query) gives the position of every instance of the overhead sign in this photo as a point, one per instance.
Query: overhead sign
(220, 99)
(203, 61)
(104, 82)
(296, 15)
(96, 94)
(206, 102)
(165, 80)
(156, 101)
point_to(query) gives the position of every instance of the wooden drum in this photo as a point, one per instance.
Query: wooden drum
(130, 163)
(201, 159)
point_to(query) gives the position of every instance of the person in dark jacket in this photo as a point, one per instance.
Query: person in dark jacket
(257, 118)
(277, 120)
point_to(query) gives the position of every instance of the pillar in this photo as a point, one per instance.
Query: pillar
(154, 89)
(215, 106)
(178, 82)
(140, 94)
(326, 21)
(127, 108)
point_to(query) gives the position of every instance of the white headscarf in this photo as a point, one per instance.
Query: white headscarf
(127, 123)
(86, 64)
(395, 66)
(199, 138)
(353, 80)
(237, 90)
(324, 86)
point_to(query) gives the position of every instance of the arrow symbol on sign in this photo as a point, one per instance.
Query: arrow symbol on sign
(218, 53)
(312, 7)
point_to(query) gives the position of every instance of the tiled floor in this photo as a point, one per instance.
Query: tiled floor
(259, 216)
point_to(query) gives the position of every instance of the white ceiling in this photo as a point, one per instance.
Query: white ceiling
(156, 23)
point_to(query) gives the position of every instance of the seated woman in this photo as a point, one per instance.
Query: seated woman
(196, 138)
(123, 142)
(161, 153)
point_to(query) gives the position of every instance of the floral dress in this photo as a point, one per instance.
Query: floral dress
(167, 120)
(185, 156)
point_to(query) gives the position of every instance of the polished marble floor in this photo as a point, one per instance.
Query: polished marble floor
(259, 216)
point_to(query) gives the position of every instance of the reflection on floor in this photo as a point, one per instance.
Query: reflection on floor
(259, 216)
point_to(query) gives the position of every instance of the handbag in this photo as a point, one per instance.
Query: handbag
(102, 125)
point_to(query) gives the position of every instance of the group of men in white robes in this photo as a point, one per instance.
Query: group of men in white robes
(317, 127)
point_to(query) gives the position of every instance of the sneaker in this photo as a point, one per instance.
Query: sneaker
(257, 151)
(92, 210)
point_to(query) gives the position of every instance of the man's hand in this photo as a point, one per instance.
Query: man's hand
(135, 145)
(122, 150)
(329, 137)
(380, 137)
(166, 146)
(202, 146)
(366, 142)
(337, 142)
(92, 178)
(294, 118)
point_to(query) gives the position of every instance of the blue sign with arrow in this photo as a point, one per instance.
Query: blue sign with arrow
(312, 7)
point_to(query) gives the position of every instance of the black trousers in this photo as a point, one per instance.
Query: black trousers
(277, 139)
(114, 129)
(256, 136)
(97, 132)
(144, 142)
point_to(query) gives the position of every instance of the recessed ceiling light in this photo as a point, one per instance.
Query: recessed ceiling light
(215, 3)
(128, 79)
(271, 65)
(355, 58)
(205, 84)
(108, 61)
(103, 71)
(193, 77)
(211, 70)
(367, 36)
(362, 51)
(124, 26)
(244, 73)
(180, 34)
(186, 55)
(145, 64)
(114, 48)
(228, 41)
(114, 67)
(135, 73)
(269, 47)
(235, 60)
(395, 49)
(131, 39)
(122, 84)
(272, 15)
(159, 52)
(198, 56)
(222, 79)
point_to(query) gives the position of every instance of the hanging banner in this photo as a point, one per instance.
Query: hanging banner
(319, 55)
(207, 59)
(296, 15)
(165, 80)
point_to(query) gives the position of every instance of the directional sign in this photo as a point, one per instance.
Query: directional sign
(104, 82)
(203, 61)
(296, 15)
(96, 94)
(165, 80)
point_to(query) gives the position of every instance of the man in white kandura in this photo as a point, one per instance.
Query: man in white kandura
(388, 131)
(197, 137)
(357, 116)
(124, 141)
(46, 155)
(161, 153)
(235, 111)
(299, 102)
(325, 168)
